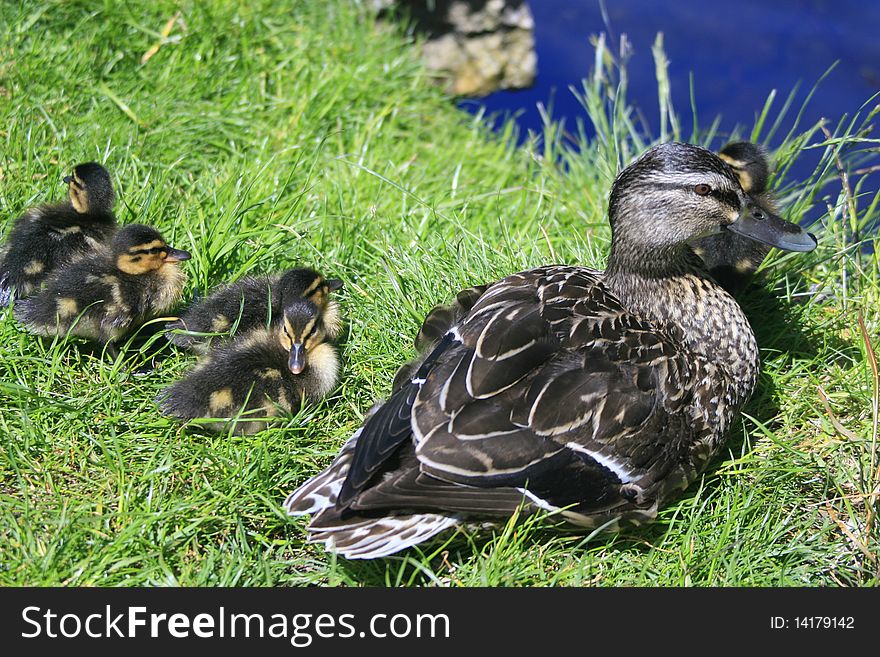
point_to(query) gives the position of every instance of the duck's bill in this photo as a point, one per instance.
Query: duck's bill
(297, 361)
(176, 255)
(757, 224)
(67, 179)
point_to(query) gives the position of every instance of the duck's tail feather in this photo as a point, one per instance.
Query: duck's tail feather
(321, 491)
(5, 288)
(373, 538)
(357, 537)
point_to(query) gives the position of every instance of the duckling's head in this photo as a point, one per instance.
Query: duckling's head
(750, 163)
(302, 332)
(308, 284)
(676, 193)
(90, 189)
(139, 249)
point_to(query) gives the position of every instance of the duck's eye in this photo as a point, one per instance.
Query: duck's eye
(702, 189)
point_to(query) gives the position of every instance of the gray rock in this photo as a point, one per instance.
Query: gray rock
(473, 46)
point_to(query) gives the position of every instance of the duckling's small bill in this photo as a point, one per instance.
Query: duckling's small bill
(297, 361)
(758, 224)
(177, 255)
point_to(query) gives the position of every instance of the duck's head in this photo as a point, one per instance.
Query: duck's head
(308, 284)
(90, 189)
(302, 331)
(139, 249)
(676, 193)
(750, 164)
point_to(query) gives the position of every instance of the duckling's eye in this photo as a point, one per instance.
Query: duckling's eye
(702, 189)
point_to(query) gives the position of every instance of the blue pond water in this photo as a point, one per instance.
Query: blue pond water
(738, 52)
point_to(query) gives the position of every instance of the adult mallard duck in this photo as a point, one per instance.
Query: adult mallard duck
(107, 294)
(592, 395)
(733, 259)
(262, 372)
(251, 303)
(48, 236)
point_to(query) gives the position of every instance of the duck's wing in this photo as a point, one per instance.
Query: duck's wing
(548, 388)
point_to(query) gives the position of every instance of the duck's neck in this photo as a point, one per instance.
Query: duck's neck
(673, 291)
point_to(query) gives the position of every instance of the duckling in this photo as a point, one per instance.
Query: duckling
(105, 295)
(437, 322)
(592, 396)
(732, 259)
(261, 373)
(49, 236)
(252, 302)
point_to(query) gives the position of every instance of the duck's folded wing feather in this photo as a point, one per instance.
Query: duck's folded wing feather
(541, 381)
(547, 389)
(387, 428)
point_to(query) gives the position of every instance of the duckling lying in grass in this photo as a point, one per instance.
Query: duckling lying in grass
(438, 321)
(106, 295)
(732, 259)
(251, 303)
(49, 236)
(261, 373)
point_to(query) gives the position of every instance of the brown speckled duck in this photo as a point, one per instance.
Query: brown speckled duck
(48, 236)
(109, 293)
(731, 259)
(595, 396)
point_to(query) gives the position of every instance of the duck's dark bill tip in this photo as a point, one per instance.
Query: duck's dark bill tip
(176, 255)
(759, 225)
(67, 179)
(297, 361)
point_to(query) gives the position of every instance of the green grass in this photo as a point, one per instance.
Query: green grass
(260, 137)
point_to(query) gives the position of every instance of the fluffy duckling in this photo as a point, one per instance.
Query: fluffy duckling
(260, 374)
(106, 295)
(49, 236)
(732, 259)
(594, 396)
(437, 322)
(252, 303)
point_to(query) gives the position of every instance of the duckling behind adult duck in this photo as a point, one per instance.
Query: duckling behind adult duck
(253, 302)
(733, 259)
(105, 295)
(593, 395)
(438, 321)
(49, 236)
(260, 373)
